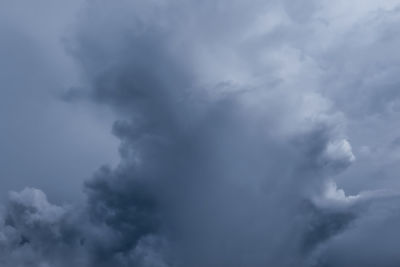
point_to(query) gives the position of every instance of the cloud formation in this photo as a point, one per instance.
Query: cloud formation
(233, 121)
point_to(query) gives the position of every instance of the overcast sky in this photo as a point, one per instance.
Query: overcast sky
(214, 133)
(45, 142)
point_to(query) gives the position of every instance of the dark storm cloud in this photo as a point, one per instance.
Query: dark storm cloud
(230, 138)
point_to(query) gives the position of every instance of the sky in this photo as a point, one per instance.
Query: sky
(215, 133)
(45, 142)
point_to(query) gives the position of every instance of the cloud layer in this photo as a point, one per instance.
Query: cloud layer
(234, 120)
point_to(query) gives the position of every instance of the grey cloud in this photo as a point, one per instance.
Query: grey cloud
(37, 233)
(371, 241)
(231, 124)
(201, 169)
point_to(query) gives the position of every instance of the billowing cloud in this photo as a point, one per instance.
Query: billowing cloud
(234, 120)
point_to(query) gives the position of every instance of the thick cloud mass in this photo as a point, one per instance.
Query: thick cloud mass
(235, 120)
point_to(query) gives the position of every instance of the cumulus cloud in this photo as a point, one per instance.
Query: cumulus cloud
(37, 233)
(232, 126)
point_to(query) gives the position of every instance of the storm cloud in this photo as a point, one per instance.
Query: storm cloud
(241, 125)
